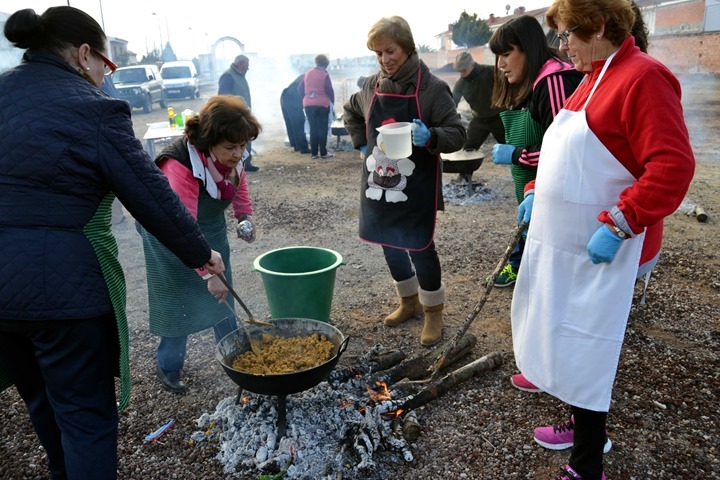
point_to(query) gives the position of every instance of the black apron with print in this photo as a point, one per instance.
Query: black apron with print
(398, 198)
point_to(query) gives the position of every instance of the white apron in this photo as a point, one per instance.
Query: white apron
(568, 314)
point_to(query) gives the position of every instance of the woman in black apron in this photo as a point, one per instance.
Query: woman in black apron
(399, 197)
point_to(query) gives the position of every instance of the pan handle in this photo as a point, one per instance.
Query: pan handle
(342, 347)
(236, 296)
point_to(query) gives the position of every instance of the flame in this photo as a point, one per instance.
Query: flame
(396, 413)
(244, 400)
(381, 394)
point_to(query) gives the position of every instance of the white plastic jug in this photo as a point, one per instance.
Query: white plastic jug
(395, 139)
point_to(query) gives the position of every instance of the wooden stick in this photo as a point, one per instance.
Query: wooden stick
(452, 379)
(517, 235)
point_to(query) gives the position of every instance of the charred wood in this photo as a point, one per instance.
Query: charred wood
(417, 367)
(373, 361)
(451, 380)
(411, 426)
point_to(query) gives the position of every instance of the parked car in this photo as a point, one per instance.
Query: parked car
(140, 86)
(180, 79)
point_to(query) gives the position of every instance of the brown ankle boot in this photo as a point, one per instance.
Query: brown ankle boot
(433, 303)
(432, 330)
(409, 307)
(407, 290)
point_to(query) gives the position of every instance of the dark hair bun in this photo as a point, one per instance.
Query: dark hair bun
(24, 29)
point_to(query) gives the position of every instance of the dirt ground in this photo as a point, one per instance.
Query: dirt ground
(664, 421)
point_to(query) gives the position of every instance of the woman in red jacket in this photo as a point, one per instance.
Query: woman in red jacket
(615, 162)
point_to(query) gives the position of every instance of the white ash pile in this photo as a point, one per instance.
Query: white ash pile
(460, 191)
(332, 431)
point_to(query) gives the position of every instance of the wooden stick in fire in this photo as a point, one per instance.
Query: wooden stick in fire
(517, 235)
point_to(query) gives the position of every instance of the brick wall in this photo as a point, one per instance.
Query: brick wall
(688, 54)
(681, 17)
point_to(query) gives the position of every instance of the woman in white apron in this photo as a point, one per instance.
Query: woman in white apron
(400, 196)
(614, 163)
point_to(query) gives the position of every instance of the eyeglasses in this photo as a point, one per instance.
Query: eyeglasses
(565, 36)
(110, 67)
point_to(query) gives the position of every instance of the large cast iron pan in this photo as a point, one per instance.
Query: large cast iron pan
(237, 342)
(462, 162)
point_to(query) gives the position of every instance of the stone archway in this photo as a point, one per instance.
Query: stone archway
(214, 46)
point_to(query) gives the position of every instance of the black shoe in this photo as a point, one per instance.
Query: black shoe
(304, 151)
(251, 168)
(174, 385)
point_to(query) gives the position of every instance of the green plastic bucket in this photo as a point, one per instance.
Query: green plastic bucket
(299, 281)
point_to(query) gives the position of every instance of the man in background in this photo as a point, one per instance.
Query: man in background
(233, 82)
(475, 85)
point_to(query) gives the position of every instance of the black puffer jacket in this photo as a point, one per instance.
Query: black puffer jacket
(64, 145)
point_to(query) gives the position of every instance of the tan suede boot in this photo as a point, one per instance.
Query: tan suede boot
(432, 330)
(409, 307)
(433, 305)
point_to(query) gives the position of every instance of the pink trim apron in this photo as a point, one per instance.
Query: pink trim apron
(399, 197)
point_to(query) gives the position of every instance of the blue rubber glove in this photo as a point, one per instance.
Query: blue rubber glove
(603, 245)
(525, 209)
(502, 154)
(420, 133)
(363, 149)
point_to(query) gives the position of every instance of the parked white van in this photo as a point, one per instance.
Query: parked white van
(180, 79)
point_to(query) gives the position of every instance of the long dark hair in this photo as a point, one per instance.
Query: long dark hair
(54, 31)
(526, 34)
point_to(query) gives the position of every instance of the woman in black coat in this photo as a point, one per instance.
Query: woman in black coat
(66, 151)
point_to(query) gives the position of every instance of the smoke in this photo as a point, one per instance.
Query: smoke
(268, 76)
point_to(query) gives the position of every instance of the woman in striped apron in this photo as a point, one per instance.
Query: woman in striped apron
(534, 85)
(205, 169)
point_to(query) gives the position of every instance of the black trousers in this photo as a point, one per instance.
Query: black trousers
(480, 128)
(586, 456)
(318, 120)
(294, 117)
(63, 370)
(403, 264)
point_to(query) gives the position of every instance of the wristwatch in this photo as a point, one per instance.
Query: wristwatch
(619, 232)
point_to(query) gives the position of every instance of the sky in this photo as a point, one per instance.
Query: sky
(270, 27)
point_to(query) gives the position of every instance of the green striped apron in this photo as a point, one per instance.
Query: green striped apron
(521, 130)
(178, 298)
(99, 234)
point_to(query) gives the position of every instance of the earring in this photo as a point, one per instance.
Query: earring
(88, 68)
(598, 36)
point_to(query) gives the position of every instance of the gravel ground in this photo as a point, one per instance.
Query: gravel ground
(664, 421)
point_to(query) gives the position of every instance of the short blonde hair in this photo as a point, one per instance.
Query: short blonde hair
(395, 28)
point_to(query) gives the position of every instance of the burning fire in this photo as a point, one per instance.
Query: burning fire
(379, 394)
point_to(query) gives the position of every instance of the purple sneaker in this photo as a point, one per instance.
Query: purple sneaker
(567, 473)
(561, 436)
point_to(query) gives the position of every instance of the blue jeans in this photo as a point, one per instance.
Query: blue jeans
(425, 262)
(171, 351)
